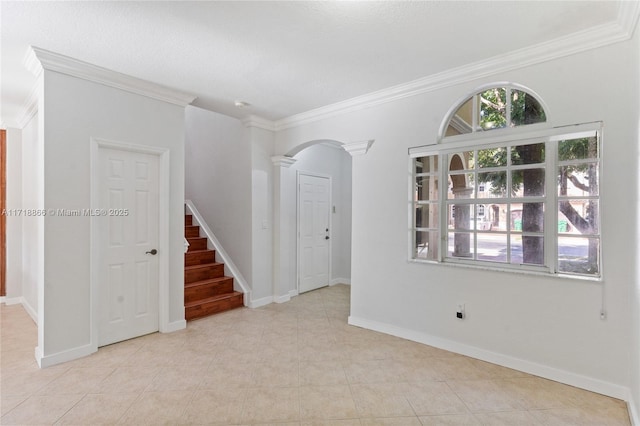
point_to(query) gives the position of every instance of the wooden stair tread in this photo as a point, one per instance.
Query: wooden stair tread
(203, 265)
(208, 281)
(213, 299)
(195, 238)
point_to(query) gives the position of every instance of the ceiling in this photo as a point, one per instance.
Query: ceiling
(283, 58)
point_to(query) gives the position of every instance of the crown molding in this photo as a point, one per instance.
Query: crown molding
(592, 38)
(31, 61)
(38, 59)
(29, 107)
(259, 122)
(358, 148)
(628, 16)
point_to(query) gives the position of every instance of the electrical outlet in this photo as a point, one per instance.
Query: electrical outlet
(460, 314)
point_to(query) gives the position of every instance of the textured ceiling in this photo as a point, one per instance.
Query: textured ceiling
(283, 58)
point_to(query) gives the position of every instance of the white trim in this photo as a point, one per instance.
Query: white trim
(474, 128)
(261, 302)
(345, 281)
(332, 145)
(282, 299)
(27, 307)
(170, 327)
(524, 134)
(634, 412)
(591, 38)
(259, 122)
(239, 282)
(628, 15)
(293, 293)
(358, 148)
(12, 300)
(38, 59)
(508, 137)
(64, 356)
(31, 62)
(38, 356)
(283, 161)
(552, 373)
(164, 179)
(9, 301)
(29, 107)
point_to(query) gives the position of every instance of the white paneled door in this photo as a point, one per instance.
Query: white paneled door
(128, 244)
(313, 226)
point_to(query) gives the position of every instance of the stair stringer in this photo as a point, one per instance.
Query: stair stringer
(230, 269)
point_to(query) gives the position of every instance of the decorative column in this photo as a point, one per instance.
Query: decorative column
(284, 195)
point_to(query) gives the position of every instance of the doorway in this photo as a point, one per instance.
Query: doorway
(314, 231)
(127, 227)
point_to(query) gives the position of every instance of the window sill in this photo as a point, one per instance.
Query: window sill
(514, 270)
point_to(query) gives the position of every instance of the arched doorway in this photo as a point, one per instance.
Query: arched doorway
(319, 157)
(321, 230)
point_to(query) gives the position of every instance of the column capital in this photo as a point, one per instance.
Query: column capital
(282, 161)
(358, 148)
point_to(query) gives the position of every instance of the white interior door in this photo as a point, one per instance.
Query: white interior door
(128, 235)
(313, 228)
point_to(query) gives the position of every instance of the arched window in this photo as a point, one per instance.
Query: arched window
(541, 183)
(495, 108)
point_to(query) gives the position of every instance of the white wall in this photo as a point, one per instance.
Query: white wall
(31, 198)
(72, 111)
(14, 223)
(218, 180)
(261, 212)
(229, 177)
(547, 325)
(634, 298)
(334, 162)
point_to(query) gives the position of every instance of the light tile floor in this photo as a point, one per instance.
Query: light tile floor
(296, 363)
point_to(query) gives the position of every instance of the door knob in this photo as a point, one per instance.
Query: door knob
(153, 252)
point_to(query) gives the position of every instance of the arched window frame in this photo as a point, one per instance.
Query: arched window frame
(477, 134)
(437, 208)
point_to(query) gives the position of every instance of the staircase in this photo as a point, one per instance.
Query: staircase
(206, 290)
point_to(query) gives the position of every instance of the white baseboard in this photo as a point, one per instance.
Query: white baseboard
(558, 375)
(634, 413)
(293, 293)
(174, 326)
(64, 356)
(246, 299)
(282, 299)
(32, 312)
(261, 302)
(22, 301)
(345, 281)
(12, 300)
